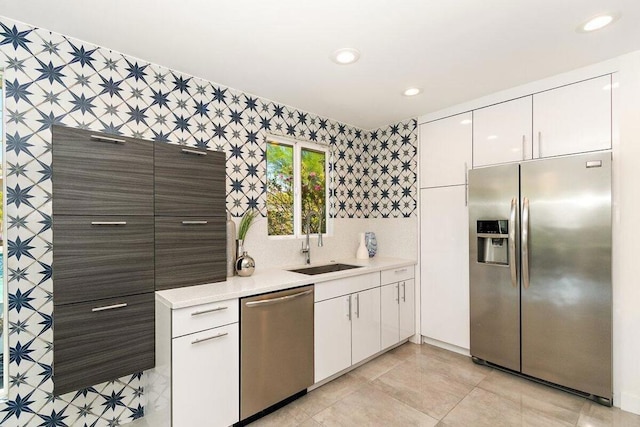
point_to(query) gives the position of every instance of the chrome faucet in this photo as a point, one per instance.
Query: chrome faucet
(306, 248)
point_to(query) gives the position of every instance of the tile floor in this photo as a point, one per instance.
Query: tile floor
(423, 385)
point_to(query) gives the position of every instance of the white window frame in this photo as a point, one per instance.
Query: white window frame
(298, 146)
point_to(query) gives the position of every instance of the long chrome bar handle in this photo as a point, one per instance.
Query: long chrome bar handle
(278, 299)
(404, 291)
(525, 242)
(466, 185)
(358, 306)
(349, 307)
(102, 138)
(512, 242)
(539, 144)
(398, 293)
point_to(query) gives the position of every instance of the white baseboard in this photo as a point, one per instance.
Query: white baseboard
(446, 346)
(630, 403)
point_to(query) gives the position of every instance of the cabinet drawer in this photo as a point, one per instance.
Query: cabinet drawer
(338, 287)
(98, 174)
(99, 257)
(189, 251)
(396, 275)
(94, 343)
(189, 181)
(205, 316)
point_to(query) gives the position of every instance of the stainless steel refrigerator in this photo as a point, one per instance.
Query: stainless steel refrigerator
(540, 270)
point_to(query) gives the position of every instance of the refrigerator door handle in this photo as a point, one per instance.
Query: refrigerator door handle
(525, 242)
(512, 243)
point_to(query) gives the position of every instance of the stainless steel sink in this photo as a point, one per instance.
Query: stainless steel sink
(327, 268)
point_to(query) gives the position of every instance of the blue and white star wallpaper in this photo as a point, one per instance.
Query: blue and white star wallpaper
(52, 79)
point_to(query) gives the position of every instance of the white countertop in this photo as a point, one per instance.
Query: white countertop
(269, 280)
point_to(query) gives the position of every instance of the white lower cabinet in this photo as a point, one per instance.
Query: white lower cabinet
(332, 337)
(365, 324)
(397, 307)
(205, 372)
(196, 378)
(347, 327)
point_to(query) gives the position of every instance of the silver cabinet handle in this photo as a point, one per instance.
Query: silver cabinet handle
(211, 310)
(199, 340)
(109, 307)
(349, 307)
(539, 144)
(401, 270)
(358, 306)
(199, 153)
(466, 185)
(512, 242)
(525, 242)
(404, 291)
(398, 294)
(277, 300)
(523, 144)
(108, 222)
(110, 140)
(194, 222)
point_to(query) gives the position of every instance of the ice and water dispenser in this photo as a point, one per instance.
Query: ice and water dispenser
(493, 241)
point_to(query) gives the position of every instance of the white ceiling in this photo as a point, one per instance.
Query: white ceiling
(455, 50)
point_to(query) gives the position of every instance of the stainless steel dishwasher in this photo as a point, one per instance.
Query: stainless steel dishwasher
(276, 348)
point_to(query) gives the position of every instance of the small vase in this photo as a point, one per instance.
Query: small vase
(245, 265)
(371, 242)
(362, 252)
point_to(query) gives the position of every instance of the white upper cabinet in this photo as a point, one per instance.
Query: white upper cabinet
(502, 132)
(445, 151)
(573, 118)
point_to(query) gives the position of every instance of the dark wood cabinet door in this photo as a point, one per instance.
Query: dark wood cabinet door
(101, 257)
(189, 181)
(190, 251)
(98, 174)
(102, 340)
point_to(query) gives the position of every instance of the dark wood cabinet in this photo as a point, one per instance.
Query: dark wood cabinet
(99, 257)
(97, 174)
(189, 181)
(189, 251)
(129, 217)
(99, 341)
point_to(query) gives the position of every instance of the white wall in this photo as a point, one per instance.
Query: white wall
(626, 238)
(626, 216)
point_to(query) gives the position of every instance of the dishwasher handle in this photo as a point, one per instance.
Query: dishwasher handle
(277, 300)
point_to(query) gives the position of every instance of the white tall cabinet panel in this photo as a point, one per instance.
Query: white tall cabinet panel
(446, 155)
(502, 132)
(365, 324)
(444, 273)
(572, 119)
(332, 337)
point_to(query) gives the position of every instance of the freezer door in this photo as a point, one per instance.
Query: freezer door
(566, 289)
(494, 289)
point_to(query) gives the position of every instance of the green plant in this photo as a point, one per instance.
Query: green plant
(245, 223)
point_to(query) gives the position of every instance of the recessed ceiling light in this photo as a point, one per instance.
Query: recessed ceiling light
(345, 56)
(596, 23)
(466, 122)
(412, 91)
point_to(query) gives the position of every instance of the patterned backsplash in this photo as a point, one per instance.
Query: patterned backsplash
(52, 79)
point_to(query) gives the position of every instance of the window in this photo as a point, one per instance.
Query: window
(297, 187)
